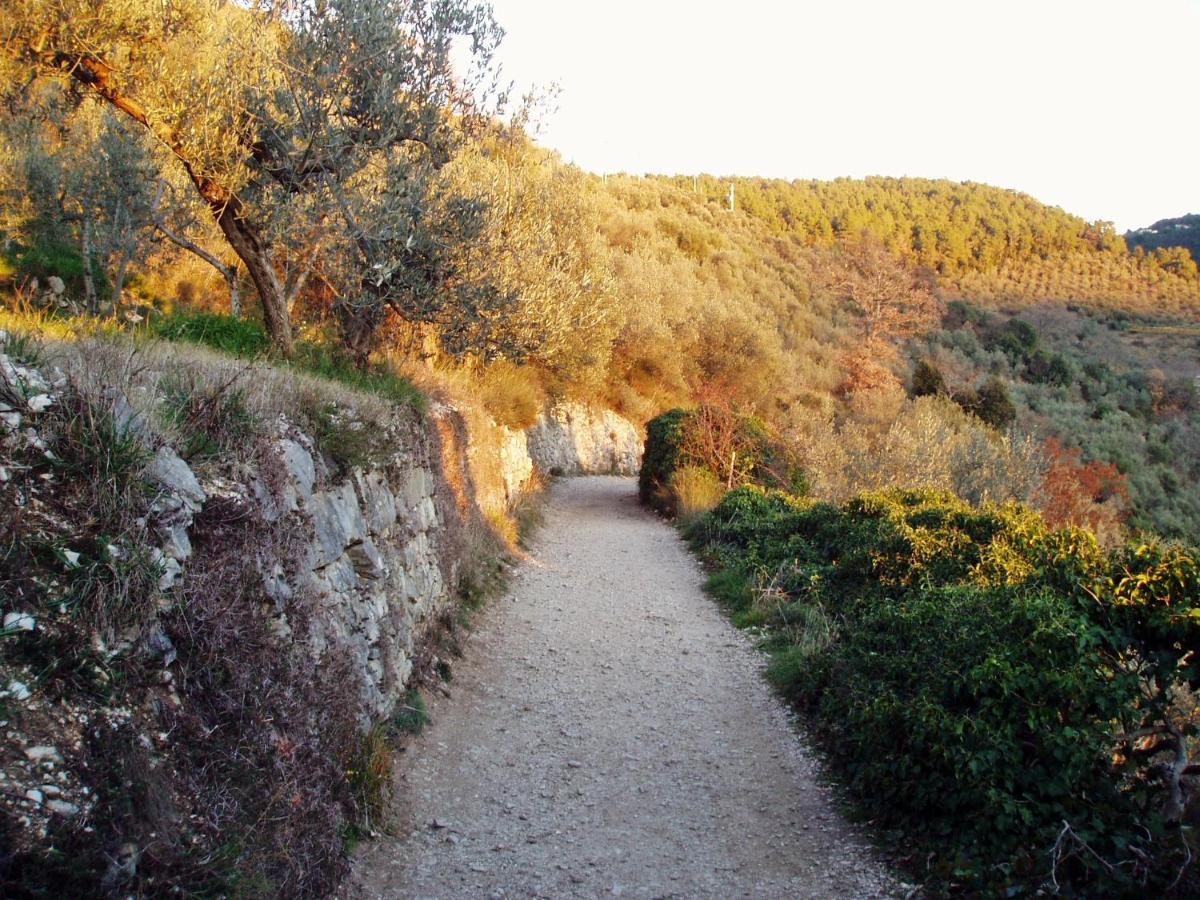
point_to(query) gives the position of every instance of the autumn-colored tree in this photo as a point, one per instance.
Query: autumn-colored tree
(723, 436)
(863, 370)
(712, 434)
(892, 299)
(1092, 494)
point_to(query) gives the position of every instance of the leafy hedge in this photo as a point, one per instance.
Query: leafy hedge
(971, 673)
(732, 446)
(663, 436)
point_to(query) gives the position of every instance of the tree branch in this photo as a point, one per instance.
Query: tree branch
(229, 273)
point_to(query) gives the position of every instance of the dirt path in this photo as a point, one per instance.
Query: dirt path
(609, 735)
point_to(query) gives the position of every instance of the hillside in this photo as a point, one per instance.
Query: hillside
(985, 242)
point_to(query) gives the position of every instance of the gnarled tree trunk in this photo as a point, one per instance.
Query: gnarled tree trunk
(252, 250)
(243, 237)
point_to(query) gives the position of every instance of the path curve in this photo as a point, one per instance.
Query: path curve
(609, 734)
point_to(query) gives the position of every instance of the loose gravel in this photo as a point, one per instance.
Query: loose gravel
(609, 734)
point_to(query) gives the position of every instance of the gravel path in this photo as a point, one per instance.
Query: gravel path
(609, 734)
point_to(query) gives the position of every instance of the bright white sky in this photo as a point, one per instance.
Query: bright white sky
(1086, 105)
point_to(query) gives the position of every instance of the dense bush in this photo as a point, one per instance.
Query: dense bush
(990, 404)
(972, 672)
(927, 380)
(720, 446)
(663, 435)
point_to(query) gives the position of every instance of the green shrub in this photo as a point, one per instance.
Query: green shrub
(990, 404)
(1049, 368)
(105, 461)
(970, 670)
(1016, 337)
(663, 436)
(767, 459)
(345, 443)
(927, 380)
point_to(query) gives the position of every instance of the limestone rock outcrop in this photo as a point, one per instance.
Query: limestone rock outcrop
(573, 439)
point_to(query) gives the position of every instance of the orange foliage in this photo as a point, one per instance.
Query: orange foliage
(866, 370)
(1093, 495)
(894, 301)
(713, 435)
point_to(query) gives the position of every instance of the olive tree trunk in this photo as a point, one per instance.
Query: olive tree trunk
(244, 238)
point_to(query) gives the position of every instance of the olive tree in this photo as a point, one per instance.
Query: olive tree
(321, 114)
(75, 177)
(541, 244)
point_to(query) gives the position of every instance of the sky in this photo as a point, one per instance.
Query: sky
(1085, 105)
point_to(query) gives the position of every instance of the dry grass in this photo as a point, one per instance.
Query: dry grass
(528, 511)
(102, 352)
(511, 394)
(211, 407)
(369, 775)
(508, 394)
(696, 490)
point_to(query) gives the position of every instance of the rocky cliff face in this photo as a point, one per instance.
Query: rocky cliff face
(572, 439)
(233, 631)
(373, 554)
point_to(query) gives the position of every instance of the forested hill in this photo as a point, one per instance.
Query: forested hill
(1183, 231)
(986, 242)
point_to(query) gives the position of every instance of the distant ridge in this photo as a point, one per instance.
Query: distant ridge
(1183, 231)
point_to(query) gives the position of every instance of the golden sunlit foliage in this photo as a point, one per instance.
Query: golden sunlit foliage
(987, 242)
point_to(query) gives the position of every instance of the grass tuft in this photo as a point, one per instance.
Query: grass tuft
(412, 716)
(21, 348)
(369, 776)
(210, 418)
(238, 337)
(105, 461)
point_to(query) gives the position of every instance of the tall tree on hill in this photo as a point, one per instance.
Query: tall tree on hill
(281, 110)
(892, 300)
